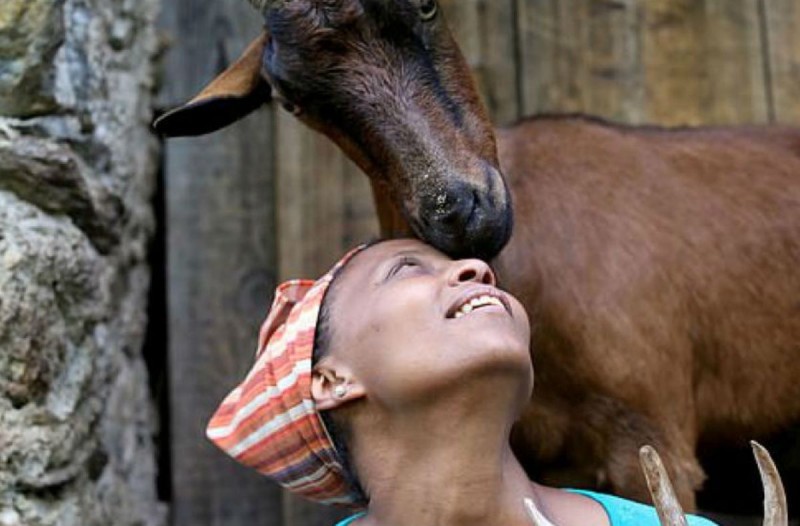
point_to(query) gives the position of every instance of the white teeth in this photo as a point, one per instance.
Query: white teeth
(475, 303)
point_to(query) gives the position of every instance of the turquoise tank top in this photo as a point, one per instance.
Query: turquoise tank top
(621, 512)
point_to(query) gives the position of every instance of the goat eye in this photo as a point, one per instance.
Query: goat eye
(428, 9)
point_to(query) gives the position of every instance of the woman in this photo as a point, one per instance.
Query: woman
(420, 368)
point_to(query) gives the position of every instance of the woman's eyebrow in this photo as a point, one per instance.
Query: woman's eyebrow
(406, 253)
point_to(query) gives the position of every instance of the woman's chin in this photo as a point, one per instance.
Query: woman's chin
(507, 361)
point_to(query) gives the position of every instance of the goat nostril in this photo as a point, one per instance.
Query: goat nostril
(458, 212)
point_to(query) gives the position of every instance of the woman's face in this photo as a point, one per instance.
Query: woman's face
(412, 323)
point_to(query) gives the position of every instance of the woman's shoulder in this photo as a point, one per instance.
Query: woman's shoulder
(624, 512)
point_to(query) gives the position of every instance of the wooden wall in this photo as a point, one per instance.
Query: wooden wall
(268, 200)
(221, 266)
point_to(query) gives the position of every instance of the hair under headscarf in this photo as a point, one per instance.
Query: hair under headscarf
(270, 422)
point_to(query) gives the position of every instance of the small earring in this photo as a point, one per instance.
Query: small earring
(339, 391)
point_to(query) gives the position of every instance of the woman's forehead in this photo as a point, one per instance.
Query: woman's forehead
(360, 269)
(380, 252)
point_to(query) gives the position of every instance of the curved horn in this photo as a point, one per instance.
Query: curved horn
(776, 512)
(664, 499)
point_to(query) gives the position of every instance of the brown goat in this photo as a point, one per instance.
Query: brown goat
(661, 267)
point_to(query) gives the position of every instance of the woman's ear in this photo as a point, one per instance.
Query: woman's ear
(334, 385)
(238, 91)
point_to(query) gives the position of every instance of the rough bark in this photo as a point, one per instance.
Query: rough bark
(77, 166)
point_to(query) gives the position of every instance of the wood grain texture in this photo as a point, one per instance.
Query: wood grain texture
(221, 268)
(781, 27)
(703, 62)
(581, 56)
(670, 62)
(324, 202)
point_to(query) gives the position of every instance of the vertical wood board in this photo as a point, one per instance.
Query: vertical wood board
(669, 62)
(324, 202)
(221, 267)
(703, 62)
(782, 37)
(581, 56)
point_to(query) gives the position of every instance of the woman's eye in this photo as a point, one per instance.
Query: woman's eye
(402, 265)
(428, 9)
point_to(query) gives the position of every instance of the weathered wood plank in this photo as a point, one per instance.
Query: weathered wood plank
(361, 221)
(703, 62)
(579, 56)
(782, 37)
(310, 199)
(324, 202)
(660, 61)
(486, 33)
(221, 267)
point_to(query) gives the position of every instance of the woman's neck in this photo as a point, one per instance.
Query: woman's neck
(436, 474)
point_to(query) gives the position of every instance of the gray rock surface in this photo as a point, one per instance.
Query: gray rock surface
(77, 166)
(31, 31)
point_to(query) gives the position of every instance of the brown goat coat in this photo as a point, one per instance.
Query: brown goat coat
(661, 269)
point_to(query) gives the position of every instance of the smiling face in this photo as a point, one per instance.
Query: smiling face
(413, 324)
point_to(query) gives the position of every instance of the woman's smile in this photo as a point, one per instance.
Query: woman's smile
(485, 298)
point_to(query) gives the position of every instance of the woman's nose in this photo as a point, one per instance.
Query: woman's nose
(465, 270)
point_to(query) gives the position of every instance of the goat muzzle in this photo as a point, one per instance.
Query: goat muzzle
(776, 511)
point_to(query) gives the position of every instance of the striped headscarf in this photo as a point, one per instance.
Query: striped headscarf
(270, 422)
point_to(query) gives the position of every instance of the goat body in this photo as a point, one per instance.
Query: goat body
(662, 271)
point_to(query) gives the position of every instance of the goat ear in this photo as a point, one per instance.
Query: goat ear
(238, 91)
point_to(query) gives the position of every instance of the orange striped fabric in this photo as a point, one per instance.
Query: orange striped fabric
(269, 422)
